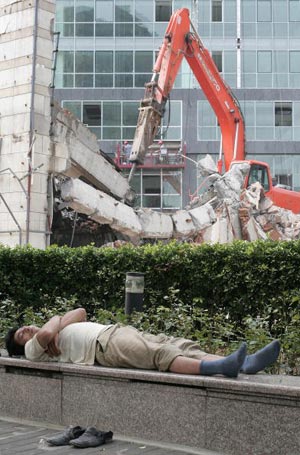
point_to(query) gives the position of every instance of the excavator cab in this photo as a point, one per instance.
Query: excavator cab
(259, 173)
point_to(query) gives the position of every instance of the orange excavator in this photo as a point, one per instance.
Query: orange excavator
(182, 41)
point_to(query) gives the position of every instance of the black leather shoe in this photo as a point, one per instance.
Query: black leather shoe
(63, 439)
(92, 438)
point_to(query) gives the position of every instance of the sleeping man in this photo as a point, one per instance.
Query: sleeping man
(70, 338)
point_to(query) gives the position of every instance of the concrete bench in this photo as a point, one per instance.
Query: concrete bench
(250, 415)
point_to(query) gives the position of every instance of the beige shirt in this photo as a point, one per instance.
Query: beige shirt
(77, 343)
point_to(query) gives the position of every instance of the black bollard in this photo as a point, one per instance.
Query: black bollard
(134, 292)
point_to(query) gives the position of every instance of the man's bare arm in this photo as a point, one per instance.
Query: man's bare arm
(57, 323)
(78, 315)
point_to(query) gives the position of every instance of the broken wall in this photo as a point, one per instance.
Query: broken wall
(25, 77)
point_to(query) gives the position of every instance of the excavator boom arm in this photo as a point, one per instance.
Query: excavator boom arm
(179, 42)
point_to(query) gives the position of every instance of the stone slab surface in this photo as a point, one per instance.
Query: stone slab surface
(28, 438)
(135, 409)
(250, 415)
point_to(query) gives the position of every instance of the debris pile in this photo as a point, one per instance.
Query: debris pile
(224, 212)
(239, 213)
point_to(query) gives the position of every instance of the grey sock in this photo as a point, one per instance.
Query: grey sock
(261, 359)
(229, 366)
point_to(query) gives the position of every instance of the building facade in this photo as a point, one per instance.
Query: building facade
(107, 49)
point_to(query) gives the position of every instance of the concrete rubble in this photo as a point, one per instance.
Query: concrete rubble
(223, 213)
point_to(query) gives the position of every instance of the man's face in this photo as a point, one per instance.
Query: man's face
(25, 333)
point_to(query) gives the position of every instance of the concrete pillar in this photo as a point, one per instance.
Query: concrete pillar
(26, 48)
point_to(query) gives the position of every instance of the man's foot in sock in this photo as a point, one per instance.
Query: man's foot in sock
(228, 366)
(261, 359)
(233, 362)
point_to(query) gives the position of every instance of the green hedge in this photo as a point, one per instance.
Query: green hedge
(240, 278)
(216, 294)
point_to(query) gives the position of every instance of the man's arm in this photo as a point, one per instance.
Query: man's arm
(57, 323)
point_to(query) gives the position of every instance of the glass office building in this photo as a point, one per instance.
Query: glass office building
(106, 53)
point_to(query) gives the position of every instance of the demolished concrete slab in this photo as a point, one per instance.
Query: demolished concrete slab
(101, 207)
(76, 154)
(183, 225)
(155, 225)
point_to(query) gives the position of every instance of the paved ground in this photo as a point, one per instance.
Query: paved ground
(27, 438)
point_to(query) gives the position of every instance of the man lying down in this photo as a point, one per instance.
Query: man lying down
(70, 338)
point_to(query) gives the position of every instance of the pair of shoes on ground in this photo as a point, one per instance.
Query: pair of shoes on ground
(80, 437)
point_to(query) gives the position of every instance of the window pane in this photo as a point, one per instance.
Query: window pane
(151, 184)
(171, 184)
(65, 62)
(163, 10)
(264, 29)
(104, 29)
(84, 80)
(91, 114)
(124, 29)
(280, 11)
(283, 114)
(112, 132)
(217, 58)
(135, 183)
(84, 29)
(64, 11)
(128, 132)
(151, 201)
(130, 113)
(74, 107)
(104, 11)
(264, 10)
(264, 114)
(171, 202)
(264, 61)
(230, 11)
(84, 62)
(294, 30)
(144, 11)
(294, 10)
(206, 116)
(295, 61)
(124, 10)
(124, 80)
(248, 109)
(143, 29)
(141, 79)
(174, 107)
(249, 61)
(104, 80)
(68, 80)
(124, 61)
(248, 11)
(229, 62)
(280, 30)
(111, 113)
(143, 61)
(249, 30)
(85, 11)
(280, 61)
(104, 62)
(216, 10)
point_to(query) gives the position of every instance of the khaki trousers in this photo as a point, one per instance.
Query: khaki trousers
(129, 348)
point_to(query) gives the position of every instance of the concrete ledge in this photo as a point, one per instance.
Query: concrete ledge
(251, 415)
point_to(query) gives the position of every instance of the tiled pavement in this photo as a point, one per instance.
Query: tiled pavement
(27, 438)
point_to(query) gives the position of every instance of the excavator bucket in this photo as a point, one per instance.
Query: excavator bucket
(148, 122)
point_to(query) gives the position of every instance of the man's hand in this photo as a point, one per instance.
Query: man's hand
(52, 348)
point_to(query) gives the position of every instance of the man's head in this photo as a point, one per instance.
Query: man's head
(17, 337)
